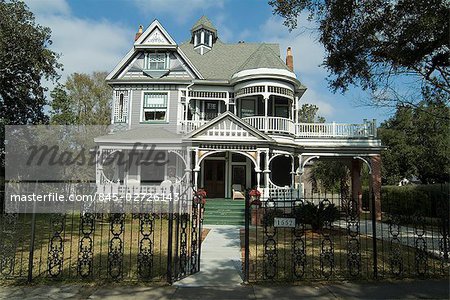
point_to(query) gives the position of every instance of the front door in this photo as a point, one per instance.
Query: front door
(214, 179)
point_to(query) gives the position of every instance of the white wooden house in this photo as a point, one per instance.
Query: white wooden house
(225, 113)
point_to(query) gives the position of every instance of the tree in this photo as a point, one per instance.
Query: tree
(24, 61)
(83, 100)
(308, 113)
(330, 175)
(417, 144)
(375, 43)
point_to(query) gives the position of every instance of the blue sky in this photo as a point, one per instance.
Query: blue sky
(93, 35)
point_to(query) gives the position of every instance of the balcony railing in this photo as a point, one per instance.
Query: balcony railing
(271, 124)
(279, 125)
(333, 130)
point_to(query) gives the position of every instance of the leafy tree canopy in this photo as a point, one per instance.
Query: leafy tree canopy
(24, 61)
(308, 113)
(372, 43)
(83, 100)
(330, 175)
(417, 144)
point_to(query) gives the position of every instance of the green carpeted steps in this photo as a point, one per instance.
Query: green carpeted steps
(224, 212)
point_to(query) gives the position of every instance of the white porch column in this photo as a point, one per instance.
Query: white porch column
(187, 108)
(196, 169)
(227, 102)
(266, 174)
(258, 169)
(266, 120)
(300, 175)
(98, 165)
(292, 172)
(293, 111)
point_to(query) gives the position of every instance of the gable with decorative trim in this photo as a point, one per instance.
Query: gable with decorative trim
(228, 127)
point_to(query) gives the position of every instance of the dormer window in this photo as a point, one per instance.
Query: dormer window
(204, 35)
(208, 39)
(155, 61)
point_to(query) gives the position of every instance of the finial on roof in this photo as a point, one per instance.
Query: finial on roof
(139, 33)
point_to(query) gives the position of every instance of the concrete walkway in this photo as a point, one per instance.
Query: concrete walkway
(419, 289)
(220, 264)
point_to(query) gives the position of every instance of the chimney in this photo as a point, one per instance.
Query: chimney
(290, 59)
(139, 33)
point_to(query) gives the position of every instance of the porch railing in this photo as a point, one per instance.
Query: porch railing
(190, 125)
(279, 125)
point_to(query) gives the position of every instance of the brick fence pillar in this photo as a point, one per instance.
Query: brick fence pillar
(376, 184)
(356, 183)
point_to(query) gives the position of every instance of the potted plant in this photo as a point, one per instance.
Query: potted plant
(255, 196)
(255, 203)
(200, 197)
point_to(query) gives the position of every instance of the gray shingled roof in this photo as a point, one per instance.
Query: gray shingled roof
(263, 57)
(205, 23)
(141, 134)
(224, 60)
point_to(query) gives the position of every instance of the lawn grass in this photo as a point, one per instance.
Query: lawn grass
(285, 268)
(101, 239)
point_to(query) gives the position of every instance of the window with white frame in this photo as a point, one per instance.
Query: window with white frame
(154, 106)
(156, 61)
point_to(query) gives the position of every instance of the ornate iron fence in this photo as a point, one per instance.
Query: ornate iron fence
(150, 244)
(328, 237)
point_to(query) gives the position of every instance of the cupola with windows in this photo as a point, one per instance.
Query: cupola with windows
(204, 35)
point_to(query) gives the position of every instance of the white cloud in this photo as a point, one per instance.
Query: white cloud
(308, 55)
(48, 7)
(180, 10)
(312, 97)
(224, 32)
(84, 45)
(307, 51)
(87, 46)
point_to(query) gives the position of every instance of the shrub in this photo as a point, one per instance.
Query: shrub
(411, 199)
(270, 214)
(316, 215)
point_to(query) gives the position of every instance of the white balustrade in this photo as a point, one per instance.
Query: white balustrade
(191, 125)
(300, 130)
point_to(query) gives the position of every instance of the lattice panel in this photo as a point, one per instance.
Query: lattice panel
(121, 98)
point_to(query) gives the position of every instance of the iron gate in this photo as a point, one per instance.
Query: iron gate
(326, 237)
(149, 244)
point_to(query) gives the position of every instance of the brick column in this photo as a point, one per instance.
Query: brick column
(356, 183)
(376, 184)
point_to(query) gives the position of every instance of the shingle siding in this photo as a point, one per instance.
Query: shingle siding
(136, 106)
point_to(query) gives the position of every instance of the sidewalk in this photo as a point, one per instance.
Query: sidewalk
(220, 259)
(419, 289)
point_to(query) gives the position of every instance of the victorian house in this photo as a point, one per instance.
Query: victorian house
(223, 114)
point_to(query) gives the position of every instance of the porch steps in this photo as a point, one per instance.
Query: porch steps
(224, 212)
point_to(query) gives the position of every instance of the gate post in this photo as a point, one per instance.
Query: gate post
(374, 231)
(33, 237)
(247, 238)
(170, 238)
